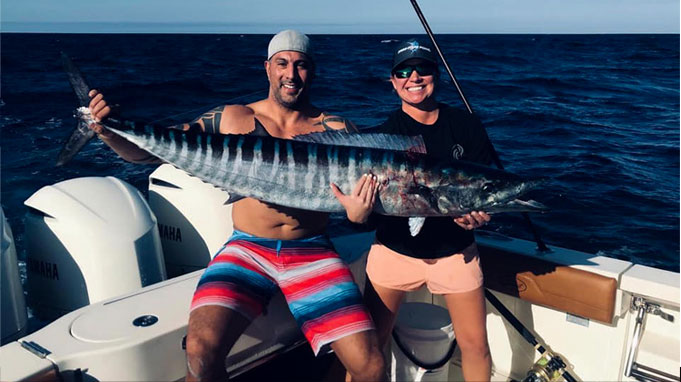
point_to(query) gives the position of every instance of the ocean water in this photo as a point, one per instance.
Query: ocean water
(596, 114)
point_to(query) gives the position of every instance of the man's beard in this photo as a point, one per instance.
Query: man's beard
(293, 102)
(289, 103)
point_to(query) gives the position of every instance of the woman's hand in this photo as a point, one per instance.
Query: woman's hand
(360, 202)
(473, 220)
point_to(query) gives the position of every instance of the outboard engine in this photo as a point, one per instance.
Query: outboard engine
(88, 239)
(194, 219)
(13, 322)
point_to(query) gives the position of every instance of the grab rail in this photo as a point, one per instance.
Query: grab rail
(632, 368)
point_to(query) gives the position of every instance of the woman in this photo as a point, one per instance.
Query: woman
(443, 255)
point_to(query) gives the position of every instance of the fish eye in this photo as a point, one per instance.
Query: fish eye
(487, 187)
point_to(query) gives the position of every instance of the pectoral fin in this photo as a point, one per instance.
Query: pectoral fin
(415, 225)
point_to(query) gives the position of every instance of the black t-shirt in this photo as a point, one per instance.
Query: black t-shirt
(455, 135)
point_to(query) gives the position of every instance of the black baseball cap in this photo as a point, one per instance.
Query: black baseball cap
(413, 49)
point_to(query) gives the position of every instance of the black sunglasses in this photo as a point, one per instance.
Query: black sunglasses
(421, 69)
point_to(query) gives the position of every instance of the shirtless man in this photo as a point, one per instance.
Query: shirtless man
(274, 247)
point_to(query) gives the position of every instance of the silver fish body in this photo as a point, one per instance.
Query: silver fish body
(297, 174)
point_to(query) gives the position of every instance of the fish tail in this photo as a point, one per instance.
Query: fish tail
(78, 83)
(80, 136)
(82, 133)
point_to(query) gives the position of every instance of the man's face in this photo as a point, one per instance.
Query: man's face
(290, 74)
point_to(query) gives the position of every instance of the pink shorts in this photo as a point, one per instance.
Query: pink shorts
(457, 273)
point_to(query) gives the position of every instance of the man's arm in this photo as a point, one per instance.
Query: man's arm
(223, 119)
(335, 122)
(209, 121)
(231, 119)
(127, 150)
(130, 152)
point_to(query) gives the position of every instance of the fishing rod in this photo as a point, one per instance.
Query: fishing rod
(495, 156)
(210, 107)
(550, 362)
(549, 366)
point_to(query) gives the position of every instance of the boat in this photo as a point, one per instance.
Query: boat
(606, 319)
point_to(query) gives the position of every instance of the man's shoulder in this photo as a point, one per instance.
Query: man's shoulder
(238, 110)
(238, 119)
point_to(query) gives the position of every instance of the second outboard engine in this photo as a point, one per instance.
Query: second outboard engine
(194, 219)
(88, 239)
(13, 322)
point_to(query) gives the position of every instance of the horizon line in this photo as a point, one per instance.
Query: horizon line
(342, 33)
(111, 27)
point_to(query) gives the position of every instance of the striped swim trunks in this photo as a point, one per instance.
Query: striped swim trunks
(318, 286)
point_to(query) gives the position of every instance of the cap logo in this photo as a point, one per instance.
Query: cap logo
(414, 45)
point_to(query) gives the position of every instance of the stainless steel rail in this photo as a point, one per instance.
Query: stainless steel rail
(636, 370)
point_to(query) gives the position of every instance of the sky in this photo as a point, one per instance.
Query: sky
(339, 16)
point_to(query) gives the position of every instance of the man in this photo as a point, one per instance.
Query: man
(273, 246)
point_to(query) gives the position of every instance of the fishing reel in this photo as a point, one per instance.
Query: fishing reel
(549, 368)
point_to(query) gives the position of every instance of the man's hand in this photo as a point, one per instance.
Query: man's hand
(360, 202)
(100, 110)
(473, 220)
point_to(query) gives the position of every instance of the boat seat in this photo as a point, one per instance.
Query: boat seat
(575, 291)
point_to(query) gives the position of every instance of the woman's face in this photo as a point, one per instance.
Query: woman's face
(414, 81)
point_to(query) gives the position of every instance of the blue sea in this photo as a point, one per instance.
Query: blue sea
(598, 115)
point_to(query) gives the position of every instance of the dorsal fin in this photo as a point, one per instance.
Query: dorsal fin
(367, 140)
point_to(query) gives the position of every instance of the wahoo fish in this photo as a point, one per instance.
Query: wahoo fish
(297, 173)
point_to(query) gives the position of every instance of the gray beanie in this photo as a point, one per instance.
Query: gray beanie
(289, 40)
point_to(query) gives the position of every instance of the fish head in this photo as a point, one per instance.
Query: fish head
(483, 194)
(498, 191)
